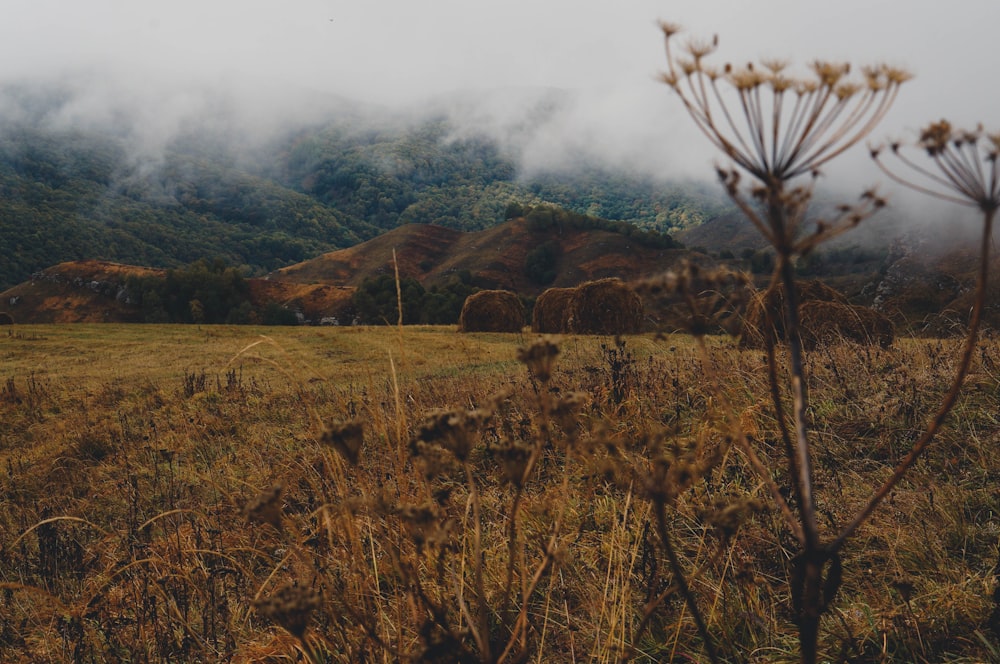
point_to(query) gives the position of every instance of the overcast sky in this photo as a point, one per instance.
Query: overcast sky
(398, 52)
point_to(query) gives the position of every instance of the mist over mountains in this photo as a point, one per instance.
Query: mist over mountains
(88, 172)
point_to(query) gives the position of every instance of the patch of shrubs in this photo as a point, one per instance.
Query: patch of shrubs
(203, 292)
(544, 218)
(376, 300)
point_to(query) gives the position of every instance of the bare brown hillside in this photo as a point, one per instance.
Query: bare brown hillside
(75, 292)
(495, 257)
(95, 292)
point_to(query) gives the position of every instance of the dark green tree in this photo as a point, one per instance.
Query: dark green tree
(377, 303)
(540, 263)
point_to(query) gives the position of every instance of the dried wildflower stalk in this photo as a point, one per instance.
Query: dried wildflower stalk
(778, 129)
(965, 172)
(447, 445)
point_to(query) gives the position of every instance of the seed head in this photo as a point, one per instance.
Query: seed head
(669, 78)
(450, 429)
(513, 456)
(566, 410)
(540, 357)
(290, 607)
(896, 76)
(698, 48)
(728, 516)
(935, 137)
(846, 90)
(830, 73)
(874, 77)
(424, 523)
(266, 507)
(346, 438)
(803, 88)
(781, 83)
(774, 66)
(669, 29)
(747, 78)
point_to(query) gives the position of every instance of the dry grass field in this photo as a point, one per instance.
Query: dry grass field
(203, 494)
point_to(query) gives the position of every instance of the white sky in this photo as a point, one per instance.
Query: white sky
(400, 51)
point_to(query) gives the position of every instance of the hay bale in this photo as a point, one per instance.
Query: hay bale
(766, 312)
(826, 322)
(606, 306)
(491, 311)
(6, 318)
(551, 313)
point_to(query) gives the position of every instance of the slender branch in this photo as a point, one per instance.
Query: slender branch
(888, 97)
(741, 158)
(916, 187)
(749, 212)
(675, 564)
(949, 400)
(957, 175)
(744, 444)
(482, 619)
(779, 413)
(799, 403)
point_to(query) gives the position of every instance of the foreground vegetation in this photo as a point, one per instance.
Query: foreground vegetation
(202, 493)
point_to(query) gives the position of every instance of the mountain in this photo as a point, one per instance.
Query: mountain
(525, 254)
(74, 196)
(120, 191)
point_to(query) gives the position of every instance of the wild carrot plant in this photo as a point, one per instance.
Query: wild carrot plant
(779, 129)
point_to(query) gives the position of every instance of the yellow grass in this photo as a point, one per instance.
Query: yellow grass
(177, 493)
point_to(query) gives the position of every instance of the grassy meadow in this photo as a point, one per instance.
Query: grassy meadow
(240, 494)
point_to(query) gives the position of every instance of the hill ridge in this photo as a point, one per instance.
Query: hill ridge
(496, 257)
(95, 290)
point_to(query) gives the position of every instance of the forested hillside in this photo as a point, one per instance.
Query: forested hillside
(73, 191)
(71, 196)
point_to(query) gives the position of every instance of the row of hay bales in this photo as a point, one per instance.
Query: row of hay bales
(610, 307)
(606, 306)
(824, 316)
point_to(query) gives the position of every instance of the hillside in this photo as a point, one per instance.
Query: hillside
(97, 292)
(499, 257)
(496, 257)
(73, 196)
(264, 201)
(922, 290)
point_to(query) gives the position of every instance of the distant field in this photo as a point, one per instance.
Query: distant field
(340, 355)
(184, 493)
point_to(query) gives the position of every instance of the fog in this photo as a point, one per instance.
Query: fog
(560, 81)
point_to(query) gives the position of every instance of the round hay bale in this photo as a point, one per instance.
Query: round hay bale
(606, 306)
(551, 313)
(491, 311)
(830, 322)
(6, 318)
(766, 312)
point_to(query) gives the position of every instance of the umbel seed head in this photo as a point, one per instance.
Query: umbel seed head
(745, 113)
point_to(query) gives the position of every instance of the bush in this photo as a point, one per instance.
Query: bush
(540, 263)
(276, 314)
(203, 292)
